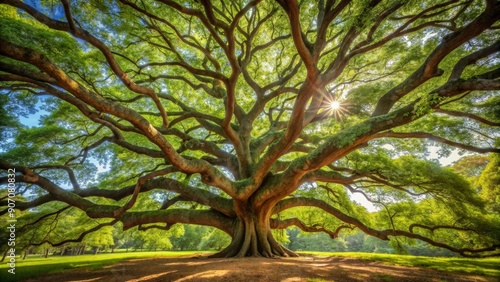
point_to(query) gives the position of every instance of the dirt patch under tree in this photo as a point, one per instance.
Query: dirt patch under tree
(305, 268)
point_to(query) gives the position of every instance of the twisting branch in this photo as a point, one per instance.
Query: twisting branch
(24, 227)
(28, 176)
(285, 223)
(211, 175)
(161, 227)
(429, 68)
(173, 216)
(70, 172)
(288, 203)
(302, 45)
(169, 202)
(467, 115)
(86, 36)
(137, 190)
(473, 58)
(189, 193)
(69, 17)
(381, 234)
(80, 238)
(436, 227)
(424, 135)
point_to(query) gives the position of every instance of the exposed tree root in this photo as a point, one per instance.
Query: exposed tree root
(254, 238)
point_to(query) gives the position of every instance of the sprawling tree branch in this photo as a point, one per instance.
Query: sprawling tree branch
(200, 196)
(173, 216)
(428, 136)
(381, 234)
(429, 68)
(80, 237)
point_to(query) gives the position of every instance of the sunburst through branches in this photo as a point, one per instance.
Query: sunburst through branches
(336, 108)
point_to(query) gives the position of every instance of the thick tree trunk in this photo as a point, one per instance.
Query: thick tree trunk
(4, 255)
(252, 236)
(82, 249)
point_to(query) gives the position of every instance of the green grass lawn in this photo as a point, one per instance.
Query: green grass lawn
(485, 267)
(34, 266)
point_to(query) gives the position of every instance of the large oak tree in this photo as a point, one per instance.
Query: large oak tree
(238, 114)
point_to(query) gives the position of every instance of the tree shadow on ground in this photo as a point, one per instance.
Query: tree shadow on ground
(311, 269)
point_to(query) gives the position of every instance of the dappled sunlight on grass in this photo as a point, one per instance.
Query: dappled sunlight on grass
(33, 266)
(190, 266)
(487, 266)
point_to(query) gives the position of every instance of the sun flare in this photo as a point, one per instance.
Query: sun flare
(334, 105)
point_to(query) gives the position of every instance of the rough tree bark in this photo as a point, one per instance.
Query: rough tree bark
(252, 236)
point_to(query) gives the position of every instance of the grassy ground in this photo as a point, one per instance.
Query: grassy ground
(485, 267)
(34, 266)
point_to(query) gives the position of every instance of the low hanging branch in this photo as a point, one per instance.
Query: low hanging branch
(80, 238)
(381, 234)
(283, 224)
(24, 227)
(436, 227)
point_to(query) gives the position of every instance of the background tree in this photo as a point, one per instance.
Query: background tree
(489, 183)
(215, 240)
(249, 116)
